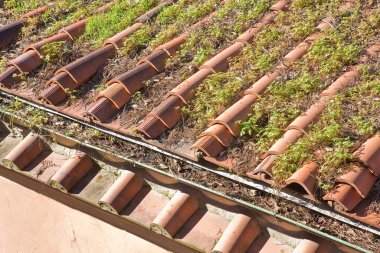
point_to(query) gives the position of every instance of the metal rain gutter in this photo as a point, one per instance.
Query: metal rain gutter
(225, 174)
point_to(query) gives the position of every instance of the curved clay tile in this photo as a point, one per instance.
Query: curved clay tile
(359, 178)
(37, 11)
(117, 40)
(186, 90)
(260, 85)
(290, 137)
(369, 154)
(121, 192)
(72, 171)
(219, 62)
(279, 5)
(174, 45)
(345, 195)
(237, 112)
(238, 236)
(84, 68)
(263, 171)
(241, 109)
(132, 80)
(75, 30)
(296, 53)
(76, 73)
(9, 32)
(152, 127)
(125, 85)
(27, 61)
(340, 83)
(169, 113)
(307, 246)
(165, 116)
(38, 47)
(175, 214)
(156, 60)
(25, 152)
(310, 116)
(306, 178)
(102, 110)
(154, 11)
(209, 145)
(9, 76)
(218, 132)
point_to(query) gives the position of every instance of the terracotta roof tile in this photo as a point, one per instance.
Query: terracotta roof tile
(238, 236)
(240, 110)
(129, 194)
(121, 192)
(307, 246)
(369, 154)
(345, 195)
(9, 33)
(359, 178)
(176, 212)
(25, 152)
(306, 178)
(72, 171)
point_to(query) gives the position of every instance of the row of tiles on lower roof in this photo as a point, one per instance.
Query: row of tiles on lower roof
(184, 216)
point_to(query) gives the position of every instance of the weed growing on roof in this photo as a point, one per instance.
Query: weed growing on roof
(36, 118)
(170, 22)
(78, 10)
(350, 118)
(121, 15)
(53, 51)
(203, 43)
(324, 61)
(256, 60)
(19, 6)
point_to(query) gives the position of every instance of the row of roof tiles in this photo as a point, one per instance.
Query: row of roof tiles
(179, 217)
(221, 132)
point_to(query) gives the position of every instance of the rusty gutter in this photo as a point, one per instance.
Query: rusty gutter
(244, 181)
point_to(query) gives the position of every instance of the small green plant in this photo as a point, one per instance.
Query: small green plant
(53, 51)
